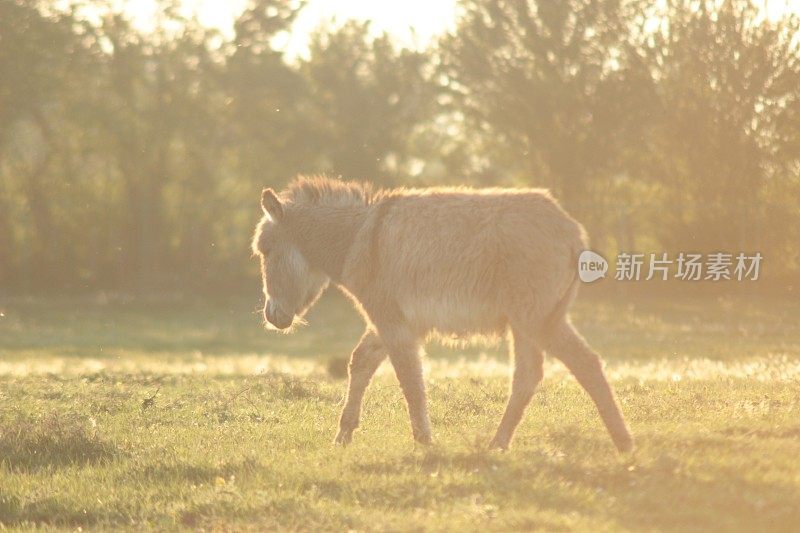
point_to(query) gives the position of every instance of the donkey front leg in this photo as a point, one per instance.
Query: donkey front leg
(528, 372)
(364, 361)
(404, 353)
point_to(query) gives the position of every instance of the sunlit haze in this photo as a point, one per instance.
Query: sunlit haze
(413, 22)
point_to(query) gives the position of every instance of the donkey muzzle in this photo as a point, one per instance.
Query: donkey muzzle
(275, 315)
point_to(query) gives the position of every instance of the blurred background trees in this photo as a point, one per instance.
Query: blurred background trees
(547, 81)
(133, 160)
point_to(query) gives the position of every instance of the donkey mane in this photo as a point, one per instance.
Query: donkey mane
(321, 190)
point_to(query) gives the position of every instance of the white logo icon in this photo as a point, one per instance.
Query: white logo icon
(591, 266)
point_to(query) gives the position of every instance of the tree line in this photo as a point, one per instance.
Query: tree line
(133, 160)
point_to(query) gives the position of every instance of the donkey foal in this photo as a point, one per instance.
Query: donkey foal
(446, 261)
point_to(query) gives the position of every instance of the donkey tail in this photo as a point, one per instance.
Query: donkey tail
(559, 312)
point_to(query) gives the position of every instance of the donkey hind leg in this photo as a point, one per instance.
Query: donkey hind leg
(404, 353)
(565, 343)
(528, 372)
(364, 361)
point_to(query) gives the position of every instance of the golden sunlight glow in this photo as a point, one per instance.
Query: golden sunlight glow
(769, 368)
(412, 23)
(778, 8)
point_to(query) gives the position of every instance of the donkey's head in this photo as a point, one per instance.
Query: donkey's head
(291, 285)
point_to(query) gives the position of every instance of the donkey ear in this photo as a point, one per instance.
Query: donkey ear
(271, 205)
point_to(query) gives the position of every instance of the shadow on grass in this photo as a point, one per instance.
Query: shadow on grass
(48, 512)
(185, 473)
(675, 490)
(56, 440)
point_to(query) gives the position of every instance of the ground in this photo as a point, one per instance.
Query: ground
(175, 414)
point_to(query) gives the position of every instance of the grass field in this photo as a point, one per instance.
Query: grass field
(186, 414)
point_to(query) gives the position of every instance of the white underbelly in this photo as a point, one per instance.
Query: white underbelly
(453, 316)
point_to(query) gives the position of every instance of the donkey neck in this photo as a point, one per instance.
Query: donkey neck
(325, 234)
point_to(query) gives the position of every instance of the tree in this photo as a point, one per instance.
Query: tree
(546, 81)
(155, 98)
(366, 101)
(725, 136)
(39, 59)
(266, 96)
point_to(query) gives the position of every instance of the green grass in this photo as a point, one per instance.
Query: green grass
(186, 414)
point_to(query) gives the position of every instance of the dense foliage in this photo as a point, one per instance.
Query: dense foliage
(133, 160)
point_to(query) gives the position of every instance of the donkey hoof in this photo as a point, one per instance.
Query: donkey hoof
(499, 444)
(624, 444)
(343, 437)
